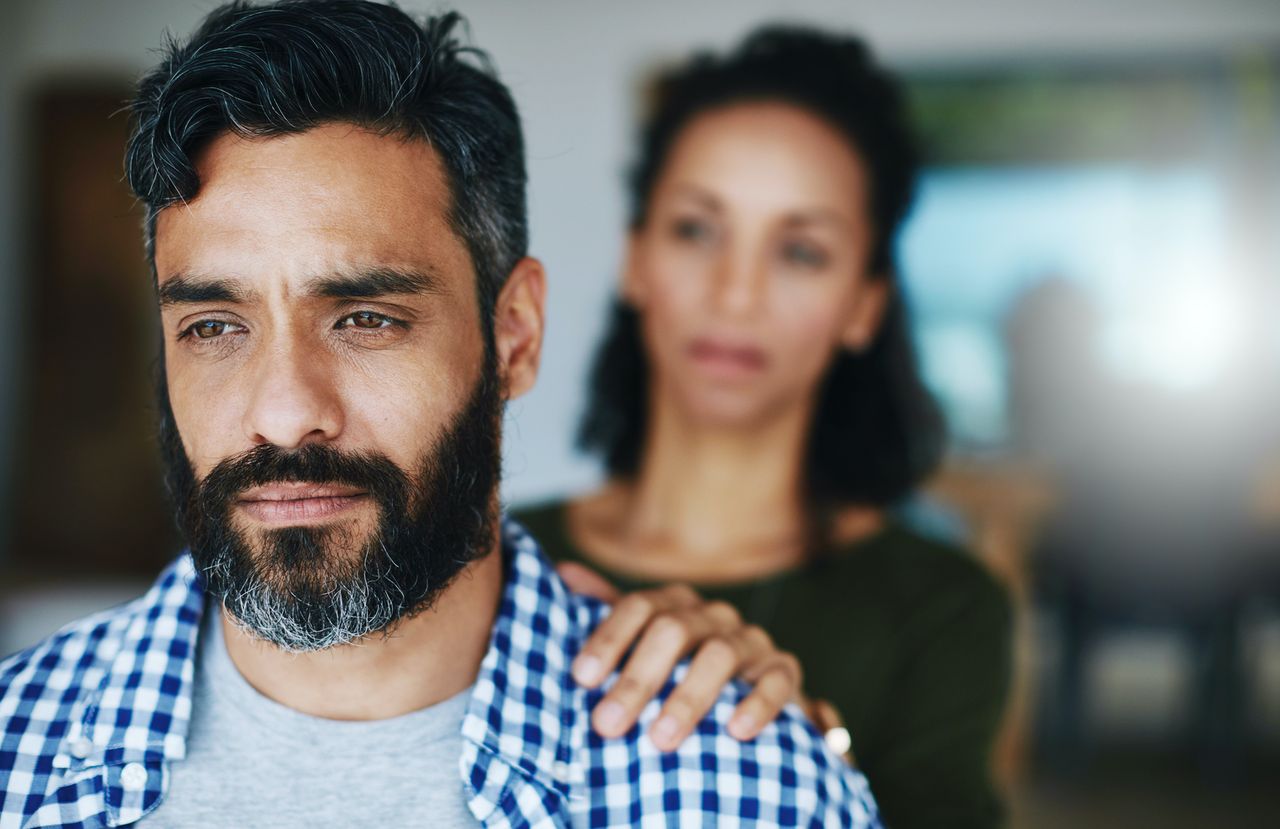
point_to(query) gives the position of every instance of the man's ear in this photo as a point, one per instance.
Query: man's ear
(518, 321)
(635, 291)
(867, 313)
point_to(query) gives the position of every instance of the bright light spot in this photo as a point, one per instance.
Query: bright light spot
(1185, 338)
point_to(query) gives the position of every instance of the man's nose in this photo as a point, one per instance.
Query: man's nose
(294, 399)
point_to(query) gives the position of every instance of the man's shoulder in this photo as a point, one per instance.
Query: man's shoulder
(74, 658)
(528, 711)
(785, 777)
(63, 699)
(82, 651)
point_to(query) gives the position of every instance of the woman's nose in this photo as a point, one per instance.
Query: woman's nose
(738, 285)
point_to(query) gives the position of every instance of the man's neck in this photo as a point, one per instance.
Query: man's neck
(425, 660)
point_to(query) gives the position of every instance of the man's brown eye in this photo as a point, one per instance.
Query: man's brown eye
(368, 319)
(208, 329)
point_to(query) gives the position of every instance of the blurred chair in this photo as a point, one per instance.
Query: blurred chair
(1152, 530)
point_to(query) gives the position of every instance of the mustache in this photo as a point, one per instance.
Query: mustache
(313, 463)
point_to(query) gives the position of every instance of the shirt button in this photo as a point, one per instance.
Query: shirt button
(134, 777)
(562, 771)
(81, 748)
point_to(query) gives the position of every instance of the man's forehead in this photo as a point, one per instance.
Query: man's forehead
(331, 194)
(326, 150)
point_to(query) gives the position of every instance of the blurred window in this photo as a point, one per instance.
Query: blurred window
(1151, 192)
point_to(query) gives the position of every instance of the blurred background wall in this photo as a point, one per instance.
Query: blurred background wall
(1094, 270)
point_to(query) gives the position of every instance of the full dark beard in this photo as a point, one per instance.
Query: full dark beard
(309, 588)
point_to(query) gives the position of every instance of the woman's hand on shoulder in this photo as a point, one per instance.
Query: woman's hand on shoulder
(649, 632)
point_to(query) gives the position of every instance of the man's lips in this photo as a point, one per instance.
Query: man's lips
(294, 503)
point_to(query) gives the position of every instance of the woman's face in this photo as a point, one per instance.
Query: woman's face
(750, 271)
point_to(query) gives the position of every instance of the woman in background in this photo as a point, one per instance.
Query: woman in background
(758, 408)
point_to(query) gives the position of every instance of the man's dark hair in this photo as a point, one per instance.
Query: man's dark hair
(292, 65)
(876, 431)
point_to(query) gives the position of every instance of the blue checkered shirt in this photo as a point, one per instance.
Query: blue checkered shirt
(92, 718)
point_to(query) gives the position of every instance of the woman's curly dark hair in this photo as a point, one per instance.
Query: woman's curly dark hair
(877, 432)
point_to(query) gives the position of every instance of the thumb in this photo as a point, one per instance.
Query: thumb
(582, 579)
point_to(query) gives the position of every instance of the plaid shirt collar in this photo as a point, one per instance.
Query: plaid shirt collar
(526, 713)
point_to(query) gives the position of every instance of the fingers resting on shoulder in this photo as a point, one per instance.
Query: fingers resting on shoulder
(647, 635)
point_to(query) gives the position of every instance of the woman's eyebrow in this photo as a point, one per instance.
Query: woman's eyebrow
(818, 215)
(695, 193)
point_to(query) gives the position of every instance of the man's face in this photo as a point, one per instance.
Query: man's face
(336, 415)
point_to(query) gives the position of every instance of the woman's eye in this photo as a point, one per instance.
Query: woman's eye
(804, 254)
(368, 320)
(692, 230)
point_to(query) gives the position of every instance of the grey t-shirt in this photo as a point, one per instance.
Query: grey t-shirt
(252, 762)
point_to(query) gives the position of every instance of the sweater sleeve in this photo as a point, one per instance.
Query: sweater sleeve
(930, 765)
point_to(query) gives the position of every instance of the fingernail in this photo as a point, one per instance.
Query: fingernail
(609, 715)
(586, 669)
(664, 731)
(742, 726)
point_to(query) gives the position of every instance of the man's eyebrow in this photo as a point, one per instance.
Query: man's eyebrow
(367, 283)
(187, 289)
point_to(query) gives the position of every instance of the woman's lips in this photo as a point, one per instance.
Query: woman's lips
(727, 359)
(298, 503)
